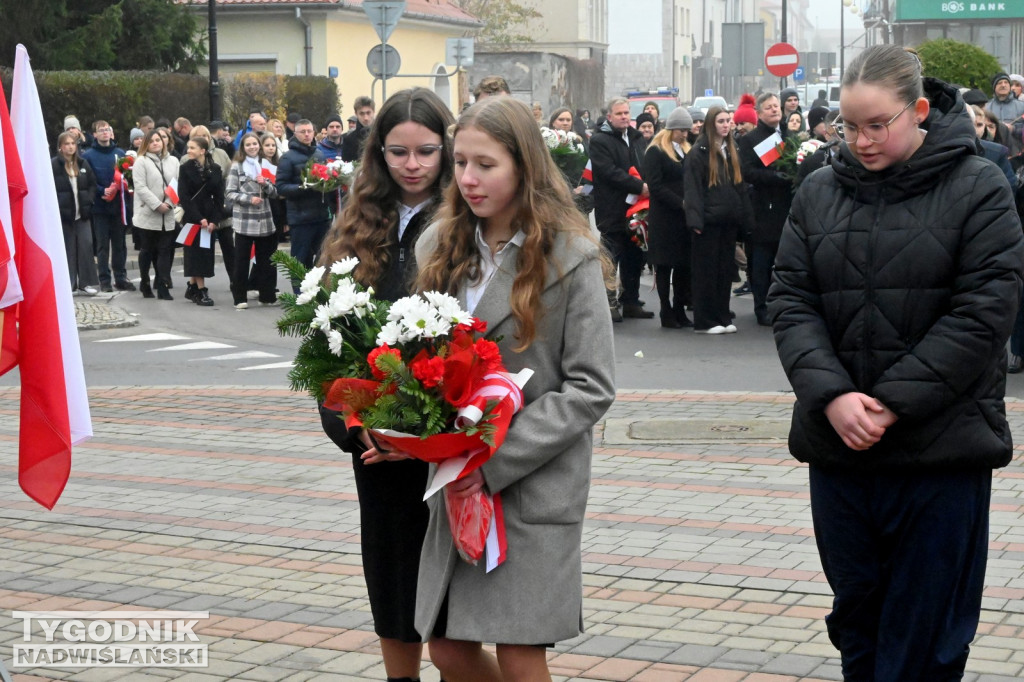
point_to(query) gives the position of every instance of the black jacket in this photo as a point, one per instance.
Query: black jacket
(66, 198)
(201, 191)
(303, 205)
(353, 141)
(772, 190)
(668, 240)
(610, 160)
(708, 208)
(903, 284)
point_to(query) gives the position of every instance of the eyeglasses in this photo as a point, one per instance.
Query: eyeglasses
(426, 155)
(875, 132)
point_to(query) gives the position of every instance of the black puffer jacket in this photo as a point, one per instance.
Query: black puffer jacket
(610, 159)
(303, 205)
(903, 285)
(708, 208)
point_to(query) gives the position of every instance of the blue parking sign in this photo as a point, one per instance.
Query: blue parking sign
(798, 75)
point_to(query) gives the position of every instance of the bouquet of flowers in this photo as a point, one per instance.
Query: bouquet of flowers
(123, 170)
(787, 162)
(637, 214)
(337, 319)
(807, 148)
(567, 151)
(329, 176)
(418, 375)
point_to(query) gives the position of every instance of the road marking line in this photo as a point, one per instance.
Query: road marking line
(198, 345)
(146, 337)
(239, 356)
(276, 365)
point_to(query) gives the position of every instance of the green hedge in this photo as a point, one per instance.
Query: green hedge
(121, 97)
(961, 63)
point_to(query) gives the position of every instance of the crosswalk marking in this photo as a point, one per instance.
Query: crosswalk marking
(275, 365)
(244, 355)
(145, 337)
(197, 345)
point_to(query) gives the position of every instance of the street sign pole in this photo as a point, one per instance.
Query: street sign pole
(384, 15)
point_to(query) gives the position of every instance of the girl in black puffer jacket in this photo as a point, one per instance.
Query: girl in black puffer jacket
(75, 183)
(717, 210)
(896, 282)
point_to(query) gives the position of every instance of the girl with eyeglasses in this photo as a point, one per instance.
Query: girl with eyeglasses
(404, 167)
(896, 285)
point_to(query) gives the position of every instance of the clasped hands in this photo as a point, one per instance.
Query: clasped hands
(859, 419)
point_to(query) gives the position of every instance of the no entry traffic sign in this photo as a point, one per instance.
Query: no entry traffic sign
(781, 59)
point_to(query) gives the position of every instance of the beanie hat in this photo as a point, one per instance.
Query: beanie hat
(293, 118)
(646, 118)
(816, 116)
(333, 119)
(696, 113)
(71, 122)
(745, 112)
(679, 119)
(1016, 77)
(135, 134)
(975, 96)
(787, 93)
(999, 77)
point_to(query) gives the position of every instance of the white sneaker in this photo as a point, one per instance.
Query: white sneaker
(730, 329)
(241, 306)
(92, 291)
(719, 329)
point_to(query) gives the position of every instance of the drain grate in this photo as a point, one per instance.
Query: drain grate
(651, 431)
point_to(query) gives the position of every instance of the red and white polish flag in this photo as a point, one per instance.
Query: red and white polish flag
(268, 170)
(187, 235)
(770, 149)
(171, 191)
(54, 403)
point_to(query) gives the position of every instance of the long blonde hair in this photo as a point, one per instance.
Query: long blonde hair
(731, 160)
(545, 208)
(663, 141)
(74, 162)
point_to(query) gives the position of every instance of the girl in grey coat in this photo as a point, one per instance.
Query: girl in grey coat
(510, 244)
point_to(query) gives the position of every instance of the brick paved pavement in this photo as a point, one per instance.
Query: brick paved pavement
(698, 556)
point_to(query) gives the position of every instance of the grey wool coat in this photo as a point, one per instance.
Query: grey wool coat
(542, 470)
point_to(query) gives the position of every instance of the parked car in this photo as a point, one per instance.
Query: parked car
(705, 103)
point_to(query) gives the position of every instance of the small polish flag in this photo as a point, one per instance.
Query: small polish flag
(252, 255)
(269, 170)
(171, 191)
(188, 233)
(769, 150)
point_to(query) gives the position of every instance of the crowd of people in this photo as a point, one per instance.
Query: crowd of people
(889, 264)
(242, 193)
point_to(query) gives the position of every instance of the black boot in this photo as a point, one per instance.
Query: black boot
(669, 321)
(162, 293)
(144, 287)
(202, 297)
(191, 291)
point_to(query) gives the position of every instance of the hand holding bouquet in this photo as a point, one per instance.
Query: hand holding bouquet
(418, 374)
(567, 151)
(637, 214)
(123, 171)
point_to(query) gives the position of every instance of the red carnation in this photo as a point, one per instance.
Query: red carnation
(377, 352)
(489, 354)
(428, 370)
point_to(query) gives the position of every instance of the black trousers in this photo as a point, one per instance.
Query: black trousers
(264, 275)
(761, 259)
(156, 247)
(629, 260)
(714, 261)
(905, 555)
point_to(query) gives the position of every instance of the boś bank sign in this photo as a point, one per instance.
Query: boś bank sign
(931, 10)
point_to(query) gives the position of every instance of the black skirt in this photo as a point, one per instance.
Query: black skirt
(393, 522)
(199, 261)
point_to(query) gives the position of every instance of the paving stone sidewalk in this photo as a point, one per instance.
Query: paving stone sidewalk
(699, 559)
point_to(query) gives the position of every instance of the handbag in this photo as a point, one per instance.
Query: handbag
(179, 213)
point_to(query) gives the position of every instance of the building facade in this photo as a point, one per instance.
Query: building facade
(334, 37)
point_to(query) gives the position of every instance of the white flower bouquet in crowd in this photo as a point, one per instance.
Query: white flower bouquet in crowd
(329, 176)
(807, 147)
(567, 151)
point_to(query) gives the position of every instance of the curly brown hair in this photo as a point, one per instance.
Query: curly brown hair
(545, 209)
(366, 227)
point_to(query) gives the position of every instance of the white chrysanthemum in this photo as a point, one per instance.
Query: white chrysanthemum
(322, 318)
(344, 299)
(410, 307)
(344, 266)
(448, 307)
(435, 327)
(335, 340)
(390, 334)
(310, 285)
